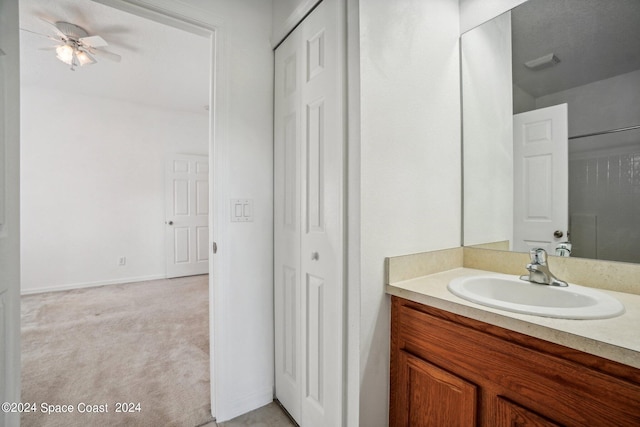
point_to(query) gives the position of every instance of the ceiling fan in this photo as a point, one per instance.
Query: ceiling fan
(76, 47)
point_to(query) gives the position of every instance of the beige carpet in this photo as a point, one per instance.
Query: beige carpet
(144, 343)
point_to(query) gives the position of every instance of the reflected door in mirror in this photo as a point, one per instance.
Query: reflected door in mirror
(541, 183)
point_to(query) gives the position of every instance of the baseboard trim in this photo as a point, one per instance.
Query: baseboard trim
(72, 286)
(228, 410)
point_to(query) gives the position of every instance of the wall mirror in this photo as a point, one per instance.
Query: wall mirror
(551, 129)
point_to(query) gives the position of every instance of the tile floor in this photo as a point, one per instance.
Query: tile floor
(270, 415)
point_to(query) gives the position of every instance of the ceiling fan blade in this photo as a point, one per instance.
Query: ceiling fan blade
(93, 41)
(106, 54)
(55, 39)
(48, 48)
(55, 28)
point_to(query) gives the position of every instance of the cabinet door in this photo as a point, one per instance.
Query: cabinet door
(432, 397)
(513, 415)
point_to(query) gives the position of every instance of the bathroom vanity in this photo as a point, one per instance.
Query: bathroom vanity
(449, 370)
(457, 363)
(544, 154)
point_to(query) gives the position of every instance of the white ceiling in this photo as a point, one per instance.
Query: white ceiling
(161, 66)
(594, 39)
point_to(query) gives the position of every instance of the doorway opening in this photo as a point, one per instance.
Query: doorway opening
(78, 138)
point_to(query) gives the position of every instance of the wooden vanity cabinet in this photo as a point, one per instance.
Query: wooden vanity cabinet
(449, 370)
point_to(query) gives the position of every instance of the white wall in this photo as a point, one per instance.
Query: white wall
(603, 105)
(522, 101)
(475, 12)
(410, 161)
(93, 187)
(488, 132)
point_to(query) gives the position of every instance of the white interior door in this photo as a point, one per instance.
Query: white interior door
(187, 215)
(541, 178)
(309, 233)
(9, 213)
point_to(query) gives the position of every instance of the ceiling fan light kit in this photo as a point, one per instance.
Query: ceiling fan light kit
(77, 46)
(72, 56)
(84, 58)
(64, 53)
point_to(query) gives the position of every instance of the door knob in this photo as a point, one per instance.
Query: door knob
(558, 234)
(315, 256)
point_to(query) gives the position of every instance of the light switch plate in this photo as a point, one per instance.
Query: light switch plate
(241, 210)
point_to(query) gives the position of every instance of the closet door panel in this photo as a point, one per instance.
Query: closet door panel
(287, 220)
(316, 248)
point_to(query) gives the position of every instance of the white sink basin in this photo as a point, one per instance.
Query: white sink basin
(512, 294)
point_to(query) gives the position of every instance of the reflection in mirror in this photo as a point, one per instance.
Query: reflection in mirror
(551, 128)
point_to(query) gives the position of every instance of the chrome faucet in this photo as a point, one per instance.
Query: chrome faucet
(539, 270)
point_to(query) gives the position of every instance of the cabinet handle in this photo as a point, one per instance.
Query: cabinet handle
(315, 256)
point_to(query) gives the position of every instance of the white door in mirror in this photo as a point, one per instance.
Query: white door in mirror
(541, 178)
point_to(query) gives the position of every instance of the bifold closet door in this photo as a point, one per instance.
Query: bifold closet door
(309, 215)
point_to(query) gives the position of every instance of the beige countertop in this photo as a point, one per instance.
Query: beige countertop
(616, 339)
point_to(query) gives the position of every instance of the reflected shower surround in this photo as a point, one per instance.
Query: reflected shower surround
(604, 196)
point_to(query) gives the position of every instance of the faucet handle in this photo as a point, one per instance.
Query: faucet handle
(538, 256)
